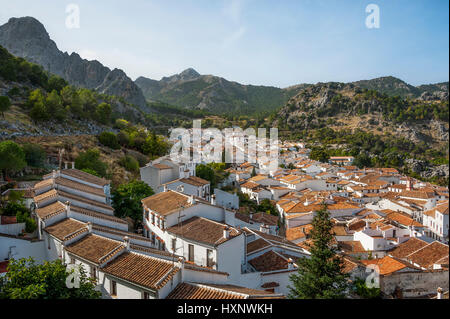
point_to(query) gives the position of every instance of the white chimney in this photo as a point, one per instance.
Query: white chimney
(73, 165)
(251, 216)
(290, 263)
(54, 174)
(89, 226)
(191, 200)
(66, 164)
(226, 232)
(68, 209)
(126, 241)
(165, 188)
(182, 188)
(213, 199)
(439, 293)
(306, 203)
(264, 229)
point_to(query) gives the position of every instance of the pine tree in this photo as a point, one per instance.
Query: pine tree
(321, 276)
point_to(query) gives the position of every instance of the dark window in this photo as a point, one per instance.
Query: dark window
(113, 288)
(209, 258)
(145, 295)
(191, 252)
(93, 272)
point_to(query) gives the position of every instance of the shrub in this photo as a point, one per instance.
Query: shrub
(129, 163)
(109, 139)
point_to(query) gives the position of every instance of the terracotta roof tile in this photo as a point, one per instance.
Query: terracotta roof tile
(142, 270)
(166, 203)
(269, 261)
(65, 228)
(426, 256)
(203, 230)
(408, 247)
(93, 247)
(257, 244)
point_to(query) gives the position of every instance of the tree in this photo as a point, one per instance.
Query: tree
(103, 113)
(206, 172)
(27, 280)
(109, 139)
(12, 157)
(321, 276)
(34, 155)
(5, 104)
(54, 105)
(91, 160)
(127, 199)
(360, 288)
(56, 83)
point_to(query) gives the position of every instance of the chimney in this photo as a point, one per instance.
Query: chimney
(290, 263)
(264, 228)
(66, 164)
(191, 200)
(408, 184)
(439, 293)
(213, 199)
(73, 165)
(251, 216)
(89, 226)
(165, 188)
(182, 188)
(54, 174)
(68, 209)
(126, 241)
(226, 232)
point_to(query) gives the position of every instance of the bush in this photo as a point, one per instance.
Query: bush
(129, 163)
(109, 139)
(5, 104)
(91, 160)
(34, 155)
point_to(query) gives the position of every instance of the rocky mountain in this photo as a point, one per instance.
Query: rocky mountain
(218, 95)
(346, 105)
(393, 86)
(27, 38)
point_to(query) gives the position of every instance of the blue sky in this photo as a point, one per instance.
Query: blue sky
(259, 42)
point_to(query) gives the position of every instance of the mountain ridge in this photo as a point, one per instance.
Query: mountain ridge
(26, 37)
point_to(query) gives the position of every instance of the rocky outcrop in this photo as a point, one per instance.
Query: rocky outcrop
(425, 170)
(27, 38)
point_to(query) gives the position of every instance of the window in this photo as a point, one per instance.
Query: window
(94, 272)
(145, 295)
(113, 288)
(191, 252)
(209, 258)
(153, 219)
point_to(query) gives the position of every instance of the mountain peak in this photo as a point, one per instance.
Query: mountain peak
(190, 72)
(25, 28)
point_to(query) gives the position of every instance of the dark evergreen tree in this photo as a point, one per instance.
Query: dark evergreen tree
(321, 276)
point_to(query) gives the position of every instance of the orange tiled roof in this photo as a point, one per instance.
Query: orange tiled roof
(387, 265)
(145, 271)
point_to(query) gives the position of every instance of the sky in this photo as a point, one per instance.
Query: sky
(260, 42)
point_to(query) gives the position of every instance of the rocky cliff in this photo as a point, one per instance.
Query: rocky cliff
(27, 38)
